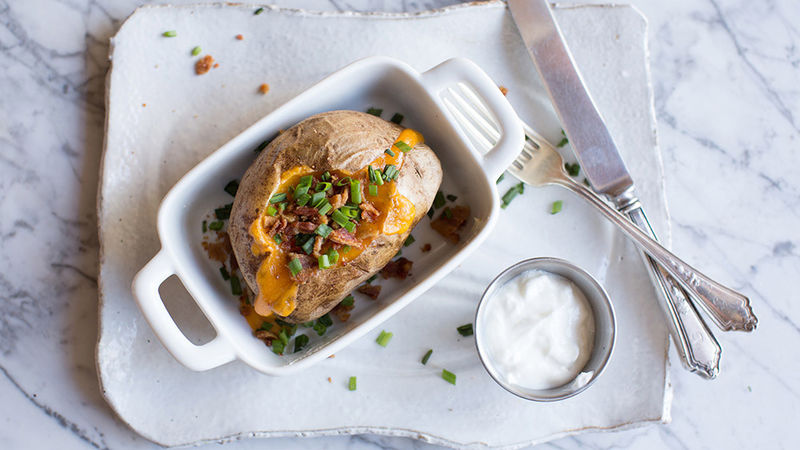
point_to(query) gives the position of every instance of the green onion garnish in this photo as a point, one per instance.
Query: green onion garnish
(196, 51)
(300, 342)
(518, 188)
(448, 376)
(371, 172)
(333, 256)
(371, 279)
(452, 197)
(345, 249)
(556, 207)
(224, 272)
(397, 118)
(375, 111)
(390, 172)
(352, 384)
(500, 178)
(266, 326)
(355, 191)
(295, 266)
(564, 141)
(447, 213)
(373, 190)
(308, 245)
(324, 208)
(305, 180)
(283, 337)
(378, 177)
(339, 217)
(302, 199)
(430, 212)
(320, 328)
(323, 186)
(322, 262)
(465, 330)
(389, 152)
(572, 169)
(258, 11)
(271, 210)
(205, 226)
(277, 238)
(236, 287)
(439, 200)
(323, 230)
(261, 146)
(402, 146)
(277, 198)
(216, 225)
(232, 187)
(427, 356)
(348, 301)
(343, 181)
(326, 176)
(326, 320)
(350, 227)
(409, 240)
(384, 338)
(278, 347)
(171, 33)
(308, 324)
(300, 190)
(224, 212)
(317, 198)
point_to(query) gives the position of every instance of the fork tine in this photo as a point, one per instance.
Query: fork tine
(474, 135)
(481, 124)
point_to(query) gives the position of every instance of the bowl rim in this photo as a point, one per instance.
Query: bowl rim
(531, 264)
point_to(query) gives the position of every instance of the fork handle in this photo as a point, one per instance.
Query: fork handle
(730, 309)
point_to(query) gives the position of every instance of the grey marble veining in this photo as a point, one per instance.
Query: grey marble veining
(728, 104)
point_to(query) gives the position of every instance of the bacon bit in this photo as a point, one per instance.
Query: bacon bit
(341, 236)
(503, 90)
(338, 200)
(203, 65)
(239, 37)
(245, 309)
(264, 88)
(342, 312)
(329, 380)
(426, 248)
(397, 269)
(307, 262)
(449, 226)
(369, 213)
(216, 65)
(219, 250)
(264, 335)
(332, 356)
(144, 105)
(318, 240)
(306, 211)
(370, 290)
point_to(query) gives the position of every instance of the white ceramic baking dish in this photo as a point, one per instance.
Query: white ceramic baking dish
(376, 81)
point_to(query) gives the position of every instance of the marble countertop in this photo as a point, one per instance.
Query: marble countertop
(725, 75)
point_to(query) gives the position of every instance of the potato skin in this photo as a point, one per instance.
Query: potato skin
(335, 140)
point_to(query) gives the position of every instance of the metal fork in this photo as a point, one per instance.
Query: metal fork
(540, 164)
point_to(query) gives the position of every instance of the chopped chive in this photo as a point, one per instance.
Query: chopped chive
(302, 199)
(355, 191)
(323, 262)
(397, 118)
(258, 11)
(308, 324)
(402, 146)
(373, 190)
(452, 197)
(196, 51)
(308, 245)
(447, 213)
(232, 187)
(518, 188)
(326, 176)
(384, 338)
(371, 173)
(224, 272)
(300, 190)
(324, 209)
(430, 213)
(320, 328)
(572, 169)
(326, 320)
(399, 252)
(266, 326)
(371, 279)
(375, 111)
(300, 342)
(283, 337)
(448, 376)
(205, 226)
(305, 180)
(439, 200)
(389, 152)
(333, 256)
(344, 181)
(378, 177)
(352, 384)
(323, 186)
(236, 286)
(345, 249)
(170, 33)
(281, 206)
(295, 266)
(277, 238)
(224, 212)
(271, 210)
(323, 230)
(557, 205)
(348, 301)
(564, 141)
(500, 178)
(261, 146)
(339, 217)
(465, 330)
(216, 225)
(278, 347)
(390, 172)
(317, 198)
(409, 240)
(277, 198)
(350, 227)
(427, 356)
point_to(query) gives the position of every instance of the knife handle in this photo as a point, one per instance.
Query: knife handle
(696, 345)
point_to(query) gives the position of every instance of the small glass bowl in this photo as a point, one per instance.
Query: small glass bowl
(604, 335)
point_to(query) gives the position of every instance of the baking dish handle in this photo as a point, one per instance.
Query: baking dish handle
(145, 289)
(512, 138)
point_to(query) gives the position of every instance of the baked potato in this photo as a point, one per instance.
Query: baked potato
(325, 206)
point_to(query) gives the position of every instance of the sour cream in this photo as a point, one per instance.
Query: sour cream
(538, 330)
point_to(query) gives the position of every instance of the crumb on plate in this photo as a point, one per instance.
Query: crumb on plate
(264, 88)
(203, 65)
